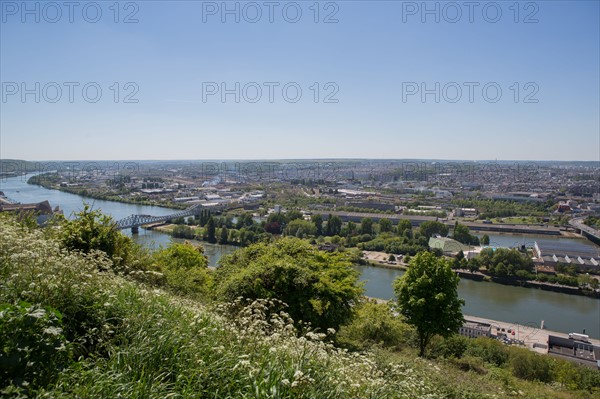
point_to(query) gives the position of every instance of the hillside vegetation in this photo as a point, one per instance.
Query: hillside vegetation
(120, 322)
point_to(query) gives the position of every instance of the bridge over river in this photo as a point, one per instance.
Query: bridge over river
(133, 222)
(587, 231)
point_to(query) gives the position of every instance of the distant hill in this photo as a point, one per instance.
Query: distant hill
(16, 167)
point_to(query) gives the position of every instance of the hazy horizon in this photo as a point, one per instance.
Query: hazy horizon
(298, 159)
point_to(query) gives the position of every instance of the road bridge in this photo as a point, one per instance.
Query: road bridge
(133, 222)
(585, 230)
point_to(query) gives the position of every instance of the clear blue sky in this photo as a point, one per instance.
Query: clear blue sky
(374, 54)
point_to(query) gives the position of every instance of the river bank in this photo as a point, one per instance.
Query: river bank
(84, 192)
(532, 336)
(381, 260)
(561, 312)
(516, 282)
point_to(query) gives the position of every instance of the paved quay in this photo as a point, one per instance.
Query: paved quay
(534, 337)
(529, 334)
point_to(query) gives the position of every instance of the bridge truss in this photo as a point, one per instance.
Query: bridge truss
(133, 221)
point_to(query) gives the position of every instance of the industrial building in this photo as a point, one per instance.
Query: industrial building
(574, 350)
(474, 329)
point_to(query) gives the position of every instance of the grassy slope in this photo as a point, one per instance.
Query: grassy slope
(132, 341)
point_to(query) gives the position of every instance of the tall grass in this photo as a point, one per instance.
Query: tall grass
(125, 339)
(131, 341)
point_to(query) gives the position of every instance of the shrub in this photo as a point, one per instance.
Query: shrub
(92, 231)
(35, 269)
(471, 363)
(528, 365)
(33, 347)
(185, 269)
(454, 346)
(319, 287)
(490, 350)
(375, 323)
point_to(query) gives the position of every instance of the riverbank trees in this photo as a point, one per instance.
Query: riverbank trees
(78, 328)
(462, 234)
(503, 262)
(319, 288)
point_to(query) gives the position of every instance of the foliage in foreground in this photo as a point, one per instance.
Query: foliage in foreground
(427, 296)
(184, 268)
(100, 336)
(320, 288)
(147, 344)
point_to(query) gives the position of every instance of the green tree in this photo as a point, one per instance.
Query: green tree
(473, 265)
(185, 268)
(462, 234)
(300, 225)
(490, 350)
(244, 220)
(505, 262)
(366, 226)
(430, 228)
(317, 220)
(385, 225)
(350, 229)
(404, 225)
(211, 230)
(375, 323)
(181, 256)
(91, 230)
(427, 295)
(333, 226)
(566, 373)
(293, 215)
(181, 231)
(485, 240)
(224, 236)
(529, 365)
(319, 287)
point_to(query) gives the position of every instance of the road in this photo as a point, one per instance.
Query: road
(578, 224)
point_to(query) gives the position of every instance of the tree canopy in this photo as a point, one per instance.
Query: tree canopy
(385, 225)
(91, 230)
(185, 269)
(462, 234)
(300, 228)
(333, 225)
(318, 221)
(427, 295)
(430, 228)
(366, 226)
(211, 230)
(319, 287)
(504, 262)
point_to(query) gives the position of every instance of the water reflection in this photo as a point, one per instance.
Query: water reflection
(561, 312)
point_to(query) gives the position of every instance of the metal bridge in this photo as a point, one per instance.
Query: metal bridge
(134, 221)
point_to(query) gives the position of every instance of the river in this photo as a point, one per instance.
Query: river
(547, 243)
(560, 312)
(525, 306)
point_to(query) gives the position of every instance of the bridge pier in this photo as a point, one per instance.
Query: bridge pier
(135, 230)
